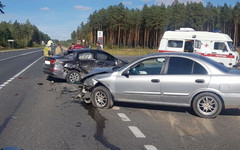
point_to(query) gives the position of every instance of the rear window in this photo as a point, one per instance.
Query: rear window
(85, 56)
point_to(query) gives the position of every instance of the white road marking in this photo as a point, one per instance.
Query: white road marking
(8, 81)
(137, 132)
(20, 55)
(123, 117)
(116, 108)
(150, 147)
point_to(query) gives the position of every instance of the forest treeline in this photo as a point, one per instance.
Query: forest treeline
(23, 34)
(144, 27)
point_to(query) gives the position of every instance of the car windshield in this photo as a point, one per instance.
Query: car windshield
(230, 44)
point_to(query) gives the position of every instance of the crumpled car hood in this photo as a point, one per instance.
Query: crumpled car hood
(96, 71)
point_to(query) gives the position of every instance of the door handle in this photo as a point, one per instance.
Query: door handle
(155, 80)
(199, 80)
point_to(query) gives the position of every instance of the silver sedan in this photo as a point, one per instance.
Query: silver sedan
(177, 79)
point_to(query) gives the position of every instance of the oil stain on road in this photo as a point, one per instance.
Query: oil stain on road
(100, 124)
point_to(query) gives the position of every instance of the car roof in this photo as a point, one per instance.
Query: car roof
(207, 61)
(86, 50)
(175, 54)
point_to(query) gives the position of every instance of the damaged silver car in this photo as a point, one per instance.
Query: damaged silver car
(176, 79)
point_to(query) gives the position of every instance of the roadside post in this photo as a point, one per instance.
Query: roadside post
(10, 43)
(100, 38)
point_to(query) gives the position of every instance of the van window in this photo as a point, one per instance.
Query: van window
(175, 43)
(230, 44)
(220, 46)
(198, 44)
(188, 46)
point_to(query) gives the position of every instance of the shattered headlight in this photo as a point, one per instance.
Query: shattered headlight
(89, 83)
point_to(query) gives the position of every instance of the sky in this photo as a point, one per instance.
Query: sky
(59, 18)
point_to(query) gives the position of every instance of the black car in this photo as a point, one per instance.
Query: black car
(74, 64)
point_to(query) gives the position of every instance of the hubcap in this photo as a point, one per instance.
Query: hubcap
(207, 105)
(74, 77)
(100, 99)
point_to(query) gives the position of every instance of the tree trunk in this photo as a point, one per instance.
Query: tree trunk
(235, 41)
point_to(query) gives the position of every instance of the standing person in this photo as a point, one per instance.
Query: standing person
(99, 47)
(72, 46)
(78, 46)
(58, 50)
(87, 45)
(47, 51)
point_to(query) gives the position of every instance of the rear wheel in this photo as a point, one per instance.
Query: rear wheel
(101, 97)
(73, 76)
(207, 105)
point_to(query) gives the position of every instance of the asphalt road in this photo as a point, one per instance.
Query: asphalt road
(39, 113)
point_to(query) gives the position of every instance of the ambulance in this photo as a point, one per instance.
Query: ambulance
(217, 46)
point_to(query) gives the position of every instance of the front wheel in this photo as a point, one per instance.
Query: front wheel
(207, 105)
(101, 97)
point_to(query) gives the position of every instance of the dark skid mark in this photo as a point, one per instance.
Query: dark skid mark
(6, 121)
(39, 83)
(22, 78)
(100, 124)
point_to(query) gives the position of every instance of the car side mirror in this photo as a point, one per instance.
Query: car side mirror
(126, 73)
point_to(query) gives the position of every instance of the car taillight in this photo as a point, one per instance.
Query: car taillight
(52, 69)
(52, 61)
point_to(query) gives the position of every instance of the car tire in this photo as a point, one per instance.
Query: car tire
(73, 76)
(207, 105)
(101, 97)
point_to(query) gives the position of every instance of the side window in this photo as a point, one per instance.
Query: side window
(100, 56)
(178, 65)
(198, 44)
(184, 66)
(148, 67)
(199, 69)
(188, 46)
(175, 43)
(84, 56)
(220, 46)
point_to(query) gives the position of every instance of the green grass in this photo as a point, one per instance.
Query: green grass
(130, 52)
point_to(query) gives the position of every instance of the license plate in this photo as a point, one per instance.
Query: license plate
(47, 62)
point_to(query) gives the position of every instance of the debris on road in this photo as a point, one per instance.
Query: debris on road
(39, 83)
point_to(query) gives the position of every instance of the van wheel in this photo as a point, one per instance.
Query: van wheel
(73, 76)
(207, 105)
(101, 97)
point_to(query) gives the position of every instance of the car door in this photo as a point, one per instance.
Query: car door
(86, 61)
(181, 79)
(140, 82)
(104, 59)
(220, 53)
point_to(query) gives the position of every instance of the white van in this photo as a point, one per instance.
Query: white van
(217, 46)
